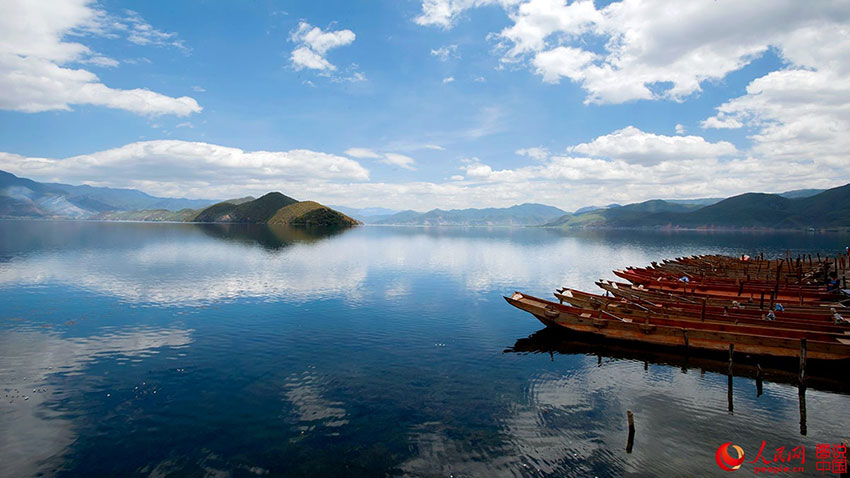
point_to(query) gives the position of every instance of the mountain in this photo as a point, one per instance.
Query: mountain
(21, 197)
(275, 208)
(310, 213)
(827, 209)
(520, 215)
(257, 211)
(801, 193)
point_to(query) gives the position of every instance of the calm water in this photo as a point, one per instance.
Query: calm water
(186, 350)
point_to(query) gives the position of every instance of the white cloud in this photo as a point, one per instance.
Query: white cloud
(191, 169)
(635, 146)
(34, 54)
(798, 114)
(457, 177)
(652, 49)
(101, 61)
(680, 129)
(143, 33)
(446, 52)
(448, 79)
(537, 153)
(361, 153)
(303, 57)
(443, 13)
(399, 160)
(199, 89)
(313, 43)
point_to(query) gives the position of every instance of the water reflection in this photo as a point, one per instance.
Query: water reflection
(187, 264)
(372, 352)
(270, 237)
(36, 431)
(554, 342)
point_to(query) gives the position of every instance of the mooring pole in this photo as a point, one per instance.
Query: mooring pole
(801, 393)
(631, 440)
(759, 378)
(802, 362)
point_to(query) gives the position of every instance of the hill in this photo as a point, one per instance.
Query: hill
(311, 213)
(828, 209)
(520, 215)
(22, 197)
(257, 211)
(275, 208)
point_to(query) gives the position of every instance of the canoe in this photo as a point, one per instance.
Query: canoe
(637, 307)
(674, 332)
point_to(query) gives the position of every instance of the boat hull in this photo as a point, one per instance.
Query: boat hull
(596, 323)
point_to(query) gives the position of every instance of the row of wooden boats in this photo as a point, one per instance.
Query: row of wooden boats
(714, 303)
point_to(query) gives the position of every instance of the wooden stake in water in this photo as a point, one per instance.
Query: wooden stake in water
(631, 440)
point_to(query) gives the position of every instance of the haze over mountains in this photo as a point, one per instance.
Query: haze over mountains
(806, 208)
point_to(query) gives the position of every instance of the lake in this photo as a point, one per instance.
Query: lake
(132, 349)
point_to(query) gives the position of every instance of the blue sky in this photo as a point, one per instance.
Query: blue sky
(428, 103)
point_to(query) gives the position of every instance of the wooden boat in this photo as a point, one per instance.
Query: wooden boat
(747, 301)
(788, 294)
(681, 332)
(636, 307)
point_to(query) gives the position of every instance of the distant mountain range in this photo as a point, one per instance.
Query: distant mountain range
(23, 197)
(520, 215)
(803, 208)
(792, 210)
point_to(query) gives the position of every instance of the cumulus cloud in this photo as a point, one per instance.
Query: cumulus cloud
(191, 169)
(35, 54)
(635, 146)
(448, 79)
(652, 49)
(680, 129)
(399, 160)
(312, 45)
(797, 114)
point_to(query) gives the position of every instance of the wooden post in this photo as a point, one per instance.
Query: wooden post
(731, 353)
(761, 302)
(702, 311)
(801, 393)
(631, 440)
(729, 394)
(759, 378)
(802, 361)
(685, 337)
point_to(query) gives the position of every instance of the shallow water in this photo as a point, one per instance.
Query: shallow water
(207, 350)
